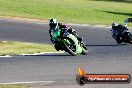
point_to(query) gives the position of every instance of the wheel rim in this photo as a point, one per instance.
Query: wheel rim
(71, 45)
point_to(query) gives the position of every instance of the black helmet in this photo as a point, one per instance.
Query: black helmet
(114, 25)
(53, 23)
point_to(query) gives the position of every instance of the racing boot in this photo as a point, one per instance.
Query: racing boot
(57, 47)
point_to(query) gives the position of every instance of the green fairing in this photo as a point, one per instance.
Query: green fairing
(67, 41)
(57, 36)
(78, 47)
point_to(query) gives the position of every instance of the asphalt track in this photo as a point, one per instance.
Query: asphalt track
(104, 56)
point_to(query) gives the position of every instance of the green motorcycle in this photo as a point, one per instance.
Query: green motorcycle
(69, 43)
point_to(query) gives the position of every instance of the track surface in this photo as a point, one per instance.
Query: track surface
(104, 56)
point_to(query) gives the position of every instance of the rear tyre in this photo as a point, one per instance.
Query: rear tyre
(118, 40)
(70, 48)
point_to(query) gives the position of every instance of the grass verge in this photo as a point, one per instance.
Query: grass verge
(71, 11)
(15, 48)
(13, 86)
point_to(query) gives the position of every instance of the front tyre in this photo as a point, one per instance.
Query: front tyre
(69, 46)
(84, 49)
(129, 37)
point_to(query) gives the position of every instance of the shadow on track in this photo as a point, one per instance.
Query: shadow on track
(107, 45)
(50, 55)
(65, 54)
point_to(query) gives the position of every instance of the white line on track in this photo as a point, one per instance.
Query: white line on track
(6, 56)
(36, 54)
(42, 53)
(29, 82)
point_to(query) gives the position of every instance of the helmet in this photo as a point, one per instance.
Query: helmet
(53, 23)
(114, 25)
(128, 20)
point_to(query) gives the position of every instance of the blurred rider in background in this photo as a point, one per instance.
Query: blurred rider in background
(117, 31)
(128, 20)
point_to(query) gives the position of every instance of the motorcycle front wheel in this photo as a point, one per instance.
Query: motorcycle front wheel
(129, 37)
(84, 49)
(70, 46)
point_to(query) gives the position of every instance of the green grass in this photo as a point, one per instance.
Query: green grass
(71, 11)
(13, 86)
(15, 48)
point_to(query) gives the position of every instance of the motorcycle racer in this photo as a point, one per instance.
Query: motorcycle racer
(54, 25)
(117, 31)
